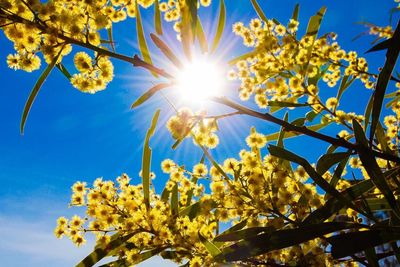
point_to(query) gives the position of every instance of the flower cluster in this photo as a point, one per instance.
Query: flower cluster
(256, 190)
(284, 68)
(186, 124)
(50, 28)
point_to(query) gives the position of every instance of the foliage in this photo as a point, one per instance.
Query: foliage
(283, 210)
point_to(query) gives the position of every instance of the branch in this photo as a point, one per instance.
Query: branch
(302, 129)
(135, 61)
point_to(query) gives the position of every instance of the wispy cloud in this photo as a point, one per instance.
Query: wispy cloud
(26, 234)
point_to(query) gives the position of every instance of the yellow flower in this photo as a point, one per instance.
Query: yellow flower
(200, 170)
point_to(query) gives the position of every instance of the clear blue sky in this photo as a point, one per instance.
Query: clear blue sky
(73, 136)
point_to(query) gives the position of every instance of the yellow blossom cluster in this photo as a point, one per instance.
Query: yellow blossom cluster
(51, 27)
(256, 190)
(282, 67)
(94, 75)
(119, 210)
(382, 32)
(186, 124)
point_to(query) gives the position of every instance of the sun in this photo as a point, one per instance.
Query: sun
(199, 80)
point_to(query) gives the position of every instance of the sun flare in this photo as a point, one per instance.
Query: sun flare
(199, 80)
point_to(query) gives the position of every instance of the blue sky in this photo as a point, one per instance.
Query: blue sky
(73, 136)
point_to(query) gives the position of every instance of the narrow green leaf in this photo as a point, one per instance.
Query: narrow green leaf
(144, 50)
(332, 206)
(149, 93)
(174, 200)
(193, 210)
(201, 37)
(242, 57)
(266, 242)
(371, 256)
(165, 195)
(101, 252)
(350, 243)
(315, 22)
(166, 50)
(157, 18)
(286, 104)
(220, 27)
(381, 46)
(383, 80)
(192, 4)
(212, 249)
(110, 38)
(35, 91)
(63, 70)
(310, 116)
(187, 30)
(344, 84)
(339, 170)
(279, 142)
(295, 15)
(372, 167)
(242, 234)
(367, 113)
(378, 204)
(326, 161)
(259, 11)
(318, 179)
(381, 138)
(393, 101)
(146, 161)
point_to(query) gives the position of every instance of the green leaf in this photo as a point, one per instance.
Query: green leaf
(381, 138)
(326, 161)
(166, 50)
(193, 210)
(144, 50)
(318, 179)
(367, 113)
(110, 38)
(242, 234)
(381, 46)
(383, 80)
(174, 200)
(266, 242)
(315, 127)
(63, 70)
(315, 22)
(350, 243)
(286, 104)
(36, 89)
(295, 15)
(100, 252)
(146, 161)
(310, 116)
(344, 84)
(220, 27)
(242, 57)
(372, 167)
(259, 11)
(371, 256)
(157, 18)
(149, 93)
(211, 248)
(339, 170)
(201, 37)
(332, 206)
(187, 31)
(378, 204)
